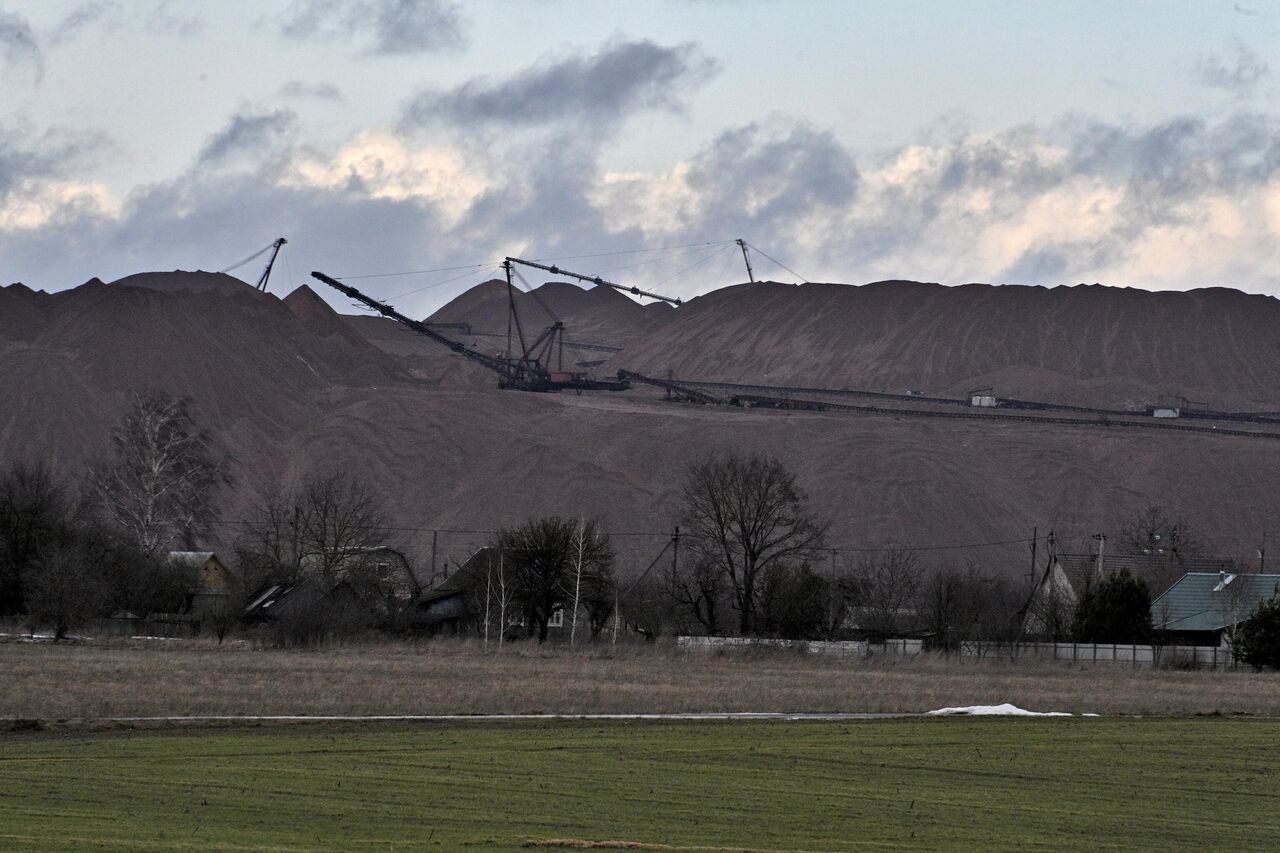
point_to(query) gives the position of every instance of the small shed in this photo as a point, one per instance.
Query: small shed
(1205, 608)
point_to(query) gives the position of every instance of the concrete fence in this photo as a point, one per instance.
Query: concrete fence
(837, 648)
(1198, 657)
(1192, 657)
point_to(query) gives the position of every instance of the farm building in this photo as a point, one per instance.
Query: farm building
(1205, 608)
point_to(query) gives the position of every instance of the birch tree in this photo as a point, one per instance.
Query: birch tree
(160, 486)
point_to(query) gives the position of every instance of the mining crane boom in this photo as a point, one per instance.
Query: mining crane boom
(522, 374)
(271, 262)
(594, 279)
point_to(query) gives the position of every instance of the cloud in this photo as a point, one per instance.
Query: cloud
(1244, 10)
(387, 27)
(39, 180)
(1238, 69)
(18, 45)
(247, 135)
(162, 19)
(297, 89)
(100, 13)
(773, 184)
(1178, 204)
(621, 78)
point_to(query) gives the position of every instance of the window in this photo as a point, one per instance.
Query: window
(556, 620)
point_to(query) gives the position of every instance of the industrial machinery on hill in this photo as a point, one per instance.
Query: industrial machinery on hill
(527, 372)
(536, 365)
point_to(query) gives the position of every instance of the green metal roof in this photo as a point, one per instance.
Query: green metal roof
(1201, 601)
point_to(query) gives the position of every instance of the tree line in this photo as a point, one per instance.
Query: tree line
(751, 556)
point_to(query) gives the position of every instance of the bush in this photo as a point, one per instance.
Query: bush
(1258, 640)
(1116, 610)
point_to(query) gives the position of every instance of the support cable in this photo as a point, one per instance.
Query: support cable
(755, 248)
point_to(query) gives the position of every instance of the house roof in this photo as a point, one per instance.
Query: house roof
(1082, 569)
(195, 559)
(1210, 601)
(463, 577)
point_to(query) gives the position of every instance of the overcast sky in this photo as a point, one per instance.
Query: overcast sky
(1024, 142)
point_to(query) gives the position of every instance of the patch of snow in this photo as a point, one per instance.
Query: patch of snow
(1005, 710)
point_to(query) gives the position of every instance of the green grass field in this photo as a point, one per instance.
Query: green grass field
(973, 784)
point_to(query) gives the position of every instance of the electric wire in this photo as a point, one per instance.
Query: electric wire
(687, 536)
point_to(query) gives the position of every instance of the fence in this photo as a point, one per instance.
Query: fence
(837, 648)
(1198, 657)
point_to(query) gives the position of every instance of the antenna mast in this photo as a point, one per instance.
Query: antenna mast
(742, 244)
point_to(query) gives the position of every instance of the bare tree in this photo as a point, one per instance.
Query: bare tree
(65, 587)
(699, 586)
(539, 559)
(943, 608)
(321, 529)
(889, 584)
(1154, 530)
(34, 514)
(330, 529)
(159, 489)
(599, 597)
(747, 514)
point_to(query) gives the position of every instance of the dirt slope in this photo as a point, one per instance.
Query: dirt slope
(450, 452)
(1085, 344)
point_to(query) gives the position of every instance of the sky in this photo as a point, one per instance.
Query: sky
(415, 143)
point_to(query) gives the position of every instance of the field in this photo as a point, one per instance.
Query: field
(971, 784)
(111, 679)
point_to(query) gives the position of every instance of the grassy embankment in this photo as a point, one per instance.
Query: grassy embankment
(188, 678)
(910, 784)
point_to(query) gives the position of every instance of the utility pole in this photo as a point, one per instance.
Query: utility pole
(1035, 540)
(434, 534)
(1101, 539)
(511, 303)
(675, 555)
(742, 244)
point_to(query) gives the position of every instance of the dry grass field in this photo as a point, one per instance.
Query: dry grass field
(126, 678)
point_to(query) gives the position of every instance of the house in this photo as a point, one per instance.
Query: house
(456, 605)
(1068, 577)
(308, 604)
(213, 581)
(1205, 608)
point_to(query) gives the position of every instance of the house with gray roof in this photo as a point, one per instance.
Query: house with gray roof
(1205, 608)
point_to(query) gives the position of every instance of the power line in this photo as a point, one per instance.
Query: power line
(667, 533)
